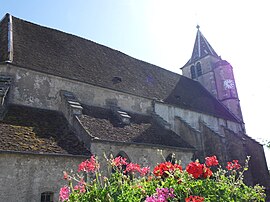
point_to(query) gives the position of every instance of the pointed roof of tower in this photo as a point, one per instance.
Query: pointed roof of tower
(201, 48)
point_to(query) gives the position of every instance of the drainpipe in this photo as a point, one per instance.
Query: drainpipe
(10, 39)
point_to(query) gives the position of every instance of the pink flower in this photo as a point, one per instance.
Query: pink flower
(144, 171)
(161, 195)
(132, 167)
(211, 161)
(119, 161)
(64, 193)
(80, 186)
(89, 165)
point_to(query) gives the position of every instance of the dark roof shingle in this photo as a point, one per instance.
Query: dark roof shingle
(103, 124)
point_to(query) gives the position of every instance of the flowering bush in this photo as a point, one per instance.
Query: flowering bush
(168, 182)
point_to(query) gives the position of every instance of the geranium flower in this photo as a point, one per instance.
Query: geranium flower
(132, 167)
(233, 165)
(162, 168)
(64, 193)
(161, 195)
(211, 161)
(194, 199)
(195, 169)
(144, 171)
(81, 186)
(207, 172)
(119, 161)
(198, 170)
(89, 165)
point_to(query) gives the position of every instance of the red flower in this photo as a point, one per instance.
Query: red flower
(233, 165)
(195, 169)
(198, 170)
(194, 199)
(207, 172)
(162, 168)
(177, 166)
(236, 164)
(89, 165)
(211, 161)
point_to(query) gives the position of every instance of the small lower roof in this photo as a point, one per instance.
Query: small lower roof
(39, 131)
(103, 124)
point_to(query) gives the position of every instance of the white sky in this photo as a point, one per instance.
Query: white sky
(163, 33)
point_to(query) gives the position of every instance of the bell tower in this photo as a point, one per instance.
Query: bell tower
(215, 74)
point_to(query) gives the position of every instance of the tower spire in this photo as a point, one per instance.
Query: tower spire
(201, 47)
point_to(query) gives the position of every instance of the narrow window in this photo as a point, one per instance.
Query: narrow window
(199, 69)
(192, 71)
(47, 197)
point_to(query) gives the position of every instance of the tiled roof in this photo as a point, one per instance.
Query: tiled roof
(80, 59)
(190, 94)
(103, 124)
(35, 130)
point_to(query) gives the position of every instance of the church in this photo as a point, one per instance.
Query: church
(64, 98)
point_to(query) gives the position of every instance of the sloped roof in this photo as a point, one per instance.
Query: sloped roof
(191, 95)
(35, 130)
(201, 48)
(65, 55)
(103, 124)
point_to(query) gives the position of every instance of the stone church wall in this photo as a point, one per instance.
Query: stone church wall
(41, 90)
(258, 166)
(169, 112)
(214, 144)
(189, 134)
(25, 176)
(144, 155)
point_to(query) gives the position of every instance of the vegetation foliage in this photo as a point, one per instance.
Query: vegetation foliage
(129, 182)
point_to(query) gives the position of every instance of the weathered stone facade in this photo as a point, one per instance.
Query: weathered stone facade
(24, 176)
(37, 89)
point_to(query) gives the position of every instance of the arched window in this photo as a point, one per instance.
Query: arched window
(47, 197)
(192, 71)
(199, 69)
(171, 158)
(123, 155)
